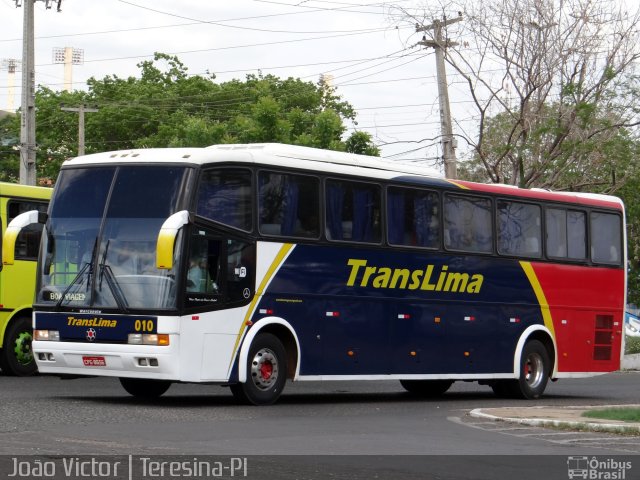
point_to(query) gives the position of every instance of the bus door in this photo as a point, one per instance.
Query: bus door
(219, 284)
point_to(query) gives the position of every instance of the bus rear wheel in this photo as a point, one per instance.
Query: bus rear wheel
(16, 357)
(426, 388)
(534, 374)
(145, 388)
(266, 372)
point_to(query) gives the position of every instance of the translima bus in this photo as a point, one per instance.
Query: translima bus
(17, 282)
(247, 265)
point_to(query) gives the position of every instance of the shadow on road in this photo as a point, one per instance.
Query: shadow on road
(225, 399)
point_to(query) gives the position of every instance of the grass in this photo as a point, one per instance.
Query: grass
(631, 414)
(632, 345)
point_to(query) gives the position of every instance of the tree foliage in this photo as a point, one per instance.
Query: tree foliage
(166, 107)
(9, 154)
(551, 84)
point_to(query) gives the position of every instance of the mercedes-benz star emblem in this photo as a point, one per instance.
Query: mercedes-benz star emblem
(91, 334)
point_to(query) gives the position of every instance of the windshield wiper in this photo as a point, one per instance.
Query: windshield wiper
(107, 274)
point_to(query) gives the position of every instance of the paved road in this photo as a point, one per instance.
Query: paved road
(48, 416)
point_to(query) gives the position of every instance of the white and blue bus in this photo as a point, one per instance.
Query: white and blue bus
(247, 265)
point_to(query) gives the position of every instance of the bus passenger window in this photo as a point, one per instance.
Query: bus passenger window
(556, 228)
(606, 244)
(412, 218)
(225, 196)
(519, 229)
(468, 224)
(566, 234)
(288, 205)
(577, 235)
(353, 211)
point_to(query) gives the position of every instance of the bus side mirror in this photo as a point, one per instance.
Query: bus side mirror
(13, 230)
(167, 239)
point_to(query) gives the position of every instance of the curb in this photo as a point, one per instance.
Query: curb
(564, 424)
(631, 362)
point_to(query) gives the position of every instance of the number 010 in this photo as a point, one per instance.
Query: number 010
(144, 325)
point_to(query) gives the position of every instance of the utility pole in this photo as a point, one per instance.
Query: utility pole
(81, 110)
(28, 108)
(439, 45)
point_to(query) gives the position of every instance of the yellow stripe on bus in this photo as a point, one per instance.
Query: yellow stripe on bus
(459, 185)
(542, 300)
(275, 265)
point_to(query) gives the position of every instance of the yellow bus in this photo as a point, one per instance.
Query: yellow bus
(17, 281)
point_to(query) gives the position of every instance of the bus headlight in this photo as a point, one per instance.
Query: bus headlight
(46, 335)
(158, 339)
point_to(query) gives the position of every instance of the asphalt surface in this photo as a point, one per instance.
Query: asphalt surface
(317, 430)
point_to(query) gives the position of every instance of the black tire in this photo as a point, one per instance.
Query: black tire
(534, 374)
(145, 388)
(16, 358)
(505, 388)
(426, 388)
(266, 372)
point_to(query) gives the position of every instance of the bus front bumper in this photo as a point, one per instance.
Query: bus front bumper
(109, 360)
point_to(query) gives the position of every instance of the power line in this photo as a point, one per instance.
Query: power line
(320, 9)
(231, 47)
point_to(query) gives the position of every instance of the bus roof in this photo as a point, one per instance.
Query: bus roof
(269, 153)
(24, 191)
(328, 161)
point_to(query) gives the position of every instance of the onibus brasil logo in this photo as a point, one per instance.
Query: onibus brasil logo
(593, 468)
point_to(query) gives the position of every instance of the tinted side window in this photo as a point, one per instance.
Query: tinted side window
(467, 224)
(353, 211)
(225, 196)
(606, 244)
(28, 241)
(566, 233)
(577, 235)
(519, 229)
(413, 218)
(289, 205)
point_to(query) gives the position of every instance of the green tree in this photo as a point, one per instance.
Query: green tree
(166, 107)
(9, 153)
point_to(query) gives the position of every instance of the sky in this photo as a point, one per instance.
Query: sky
(375, 62)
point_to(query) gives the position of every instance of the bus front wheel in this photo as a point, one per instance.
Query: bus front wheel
(145, 388)
(266, 372)
(426, 388)
(16, 357)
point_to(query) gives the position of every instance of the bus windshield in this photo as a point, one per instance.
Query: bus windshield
(98, 250)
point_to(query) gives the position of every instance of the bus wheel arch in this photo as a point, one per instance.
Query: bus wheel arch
(534, 364)
(542, 335)
(16, 357)
(285, 333)
(269, 355)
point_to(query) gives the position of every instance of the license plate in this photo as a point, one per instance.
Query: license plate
(94, 361)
